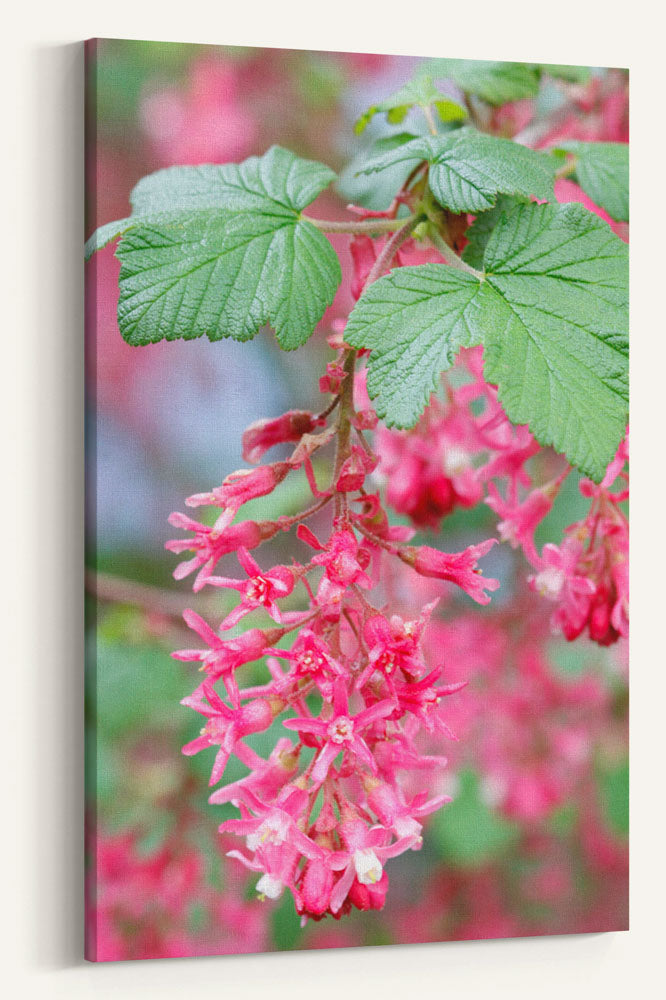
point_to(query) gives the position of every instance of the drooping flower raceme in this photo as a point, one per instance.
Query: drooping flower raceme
(347, 686)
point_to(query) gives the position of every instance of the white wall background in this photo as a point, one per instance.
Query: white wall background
(41, 428)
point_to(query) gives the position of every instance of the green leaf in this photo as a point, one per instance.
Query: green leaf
(468, 833)
(419, 92)
(277, 182)
(481, 230)
(389, 142)
(562, 71)
(554, 322)
(223, 250)
(551, 311)
(415, 320)
(602, 170)
(468, 169)
(494, 82)
(105, 235)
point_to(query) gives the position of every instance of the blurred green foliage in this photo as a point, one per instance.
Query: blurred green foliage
(467, 832)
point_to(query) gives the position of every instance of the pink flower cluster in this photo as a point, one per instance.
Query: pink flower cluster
(327, 809)
(140, 904)
(464, 450)
(587, 576)
(530, 728)
(458, 446)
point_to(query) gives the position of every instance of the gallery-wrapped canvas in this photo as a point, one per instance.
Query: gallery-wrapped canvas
(357, 474)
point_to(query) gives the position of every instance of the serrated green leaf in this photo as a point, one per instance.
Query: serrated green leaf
(481, 230)
(551, 311)
(225, 276)
(494, 82)
(602, 170)
(468, 169)
(105, 235)
(419, 92)
(276, 182)
(223, 250)
(555, 329)
(414, 320)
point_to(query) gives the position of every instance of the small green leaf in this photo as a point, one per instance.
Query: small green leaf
(223, 250)
(105, 235)
(419, 92)
(602, 170)
(364, 120)
(388, 142)
(468, 169)
(561, 71)
(552, 312)
(494, 82)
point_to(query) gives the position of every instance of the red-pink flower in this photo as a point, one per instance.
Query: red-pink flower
(312, 659)
(426, 477)
(261, 590)
(558, 580)
(363, 861)
(223, 657)
(354, 470)
(210, 544)
(238, 488)
(274, 823)
(341, 732)
(265, 434)
(226, 726)
(394, 645)
(341, 558)
(333, 379)
(457, 567)
(520, 519)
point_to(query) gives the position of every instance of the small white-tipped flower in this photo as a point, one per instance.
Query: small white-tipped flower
(273, 830)
(456, 460)
(549, 582)
(269, 885)
(368, 866)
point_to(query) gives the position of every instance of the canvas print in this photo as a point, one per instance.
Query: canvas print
(357, 499)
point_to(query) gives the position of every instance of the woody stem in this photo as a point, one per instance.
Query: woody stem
(344, 427)
(346, 396)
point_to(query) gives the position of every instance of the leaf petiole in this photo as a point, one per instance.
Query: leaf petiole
(366, 227)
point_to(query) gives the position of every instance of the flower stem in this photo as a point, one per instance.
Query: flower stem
(428, 115)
